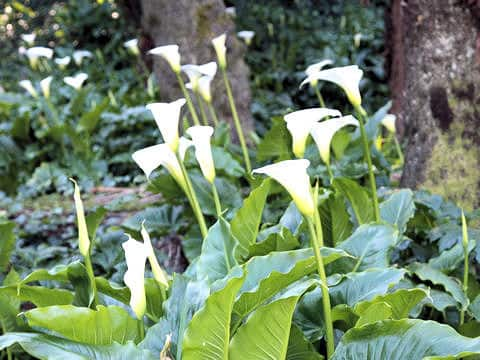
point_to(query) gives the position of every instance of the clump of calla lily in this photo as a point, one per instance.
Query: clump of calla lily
(246, 35)
(76, 81)
(29, 38)
(313, 69)
(167, 116)
(79, 55)
(132, 46)
(45, 86)
(63, 62)
(36, 52)
(28, 86)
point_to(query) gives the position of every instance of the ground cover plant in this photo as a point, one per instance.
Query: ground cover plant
(301, 247)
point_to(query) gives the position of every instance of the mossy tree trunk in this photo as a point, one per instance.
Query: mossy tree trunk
(192, 24)
(436, 91)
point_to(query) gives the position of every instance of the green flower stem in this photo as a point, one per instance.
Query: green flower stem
(236, 120)
(399, 150)
(91, 276)
(191, 107)
(366, 149)
(315, 243)
(216, 198)
(330, 172)
(203, 113)
(192, 197)
(465, 263)
(212, 113)
(319, 96)
(318, 222)
(141, 329)
(7, 350)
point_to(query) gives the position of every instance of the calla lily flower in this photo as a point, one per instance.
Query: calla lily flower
(158, 273)
(201, 136)
(36, 52)
(167, 116)
(76, 81)
(246, 35)
(136, 254)
(357, 38)
(299, 123)
(45, 86)
(150, 158)
(347, 77)
(292, 175)
(231, 11)
(29, 38)
(313, 69)
(324, 131)
(195, 72)
(132, 46)
(63, 62)
(27, 85)
(78, 56)
(204, 88)
(170, 54)
(389, 122)
(83, 239)
(22, 50)
(220, 49)
(184, 145)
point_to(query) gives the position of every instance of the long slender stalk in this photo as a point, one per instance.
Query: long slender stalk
(191, 107)
(399, 150)
(216, 198)
(203, 113)
(366, 150)
(141, 329)
(319, 96)
(465, 263)
(330, 172)
(236, 121)
(327, 312)
(213, 113)
(91, 276)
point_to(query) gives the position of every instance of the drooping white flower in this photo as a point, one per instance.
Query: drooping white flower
(300, 122)
(201, 136)
(246, 35)
(136, 254)
(63, 62)
(45, 86)
(29, 38)
(195, 72)
(167, 117)
(292, 175)
(220, 49)
(357, 38)
(347, 77)
(83, 238)
(184, 145)
(204, 88)
(132, 46)
(76, 81)
(311, 70)
(324, 131)
(150, 158)
(231, 11)
(36, 52)
(27, 85)
(389, 122)
(158, 273)
(79, 55)
(170, 54)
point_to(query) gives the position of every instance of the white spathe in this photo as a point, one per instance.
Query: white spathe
(29, 38)
(150, 158)
(170, 53)
(231, 11)
(167, 117)
(292, 175)
(201, 136)
(79, 55)
(45, 86)
(183, 146)
(158, 273)
(195, 72)
(300, 122)
(246, 35)
(324, 131)
(76, 81)
(132, 46)
(36, 52)
(63, 62)
(220, 49)
(347, 77)
(389, 122)
(27, 85)
(313, 69)
(136, 254)
(204, 88)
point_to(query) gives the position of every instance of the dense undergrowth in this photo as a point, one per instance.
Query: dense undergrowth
(314, 260)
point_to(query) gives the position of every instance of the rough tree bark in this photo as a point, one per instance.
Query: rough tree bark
(192, 24)
(435, 80)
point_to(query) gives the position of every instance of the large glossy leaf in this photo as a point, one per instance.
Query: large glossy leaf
(450, 259)
(7, 243)
(281, 239)
(404, 339)
(265, 334)
(245, 223)
(40, 296)
(54, 348)
(336, 219)
(217, 257)
(398, 209)
(299, 348)
(474, 308)
(90, 119)
(208, 334)
(102, 326)
(358, 197)
(267, 275)
(276, 143)
(451, 285)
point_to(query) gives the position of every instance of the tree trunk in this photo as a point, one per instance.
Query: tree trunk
(192, 24)
(436, 90)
